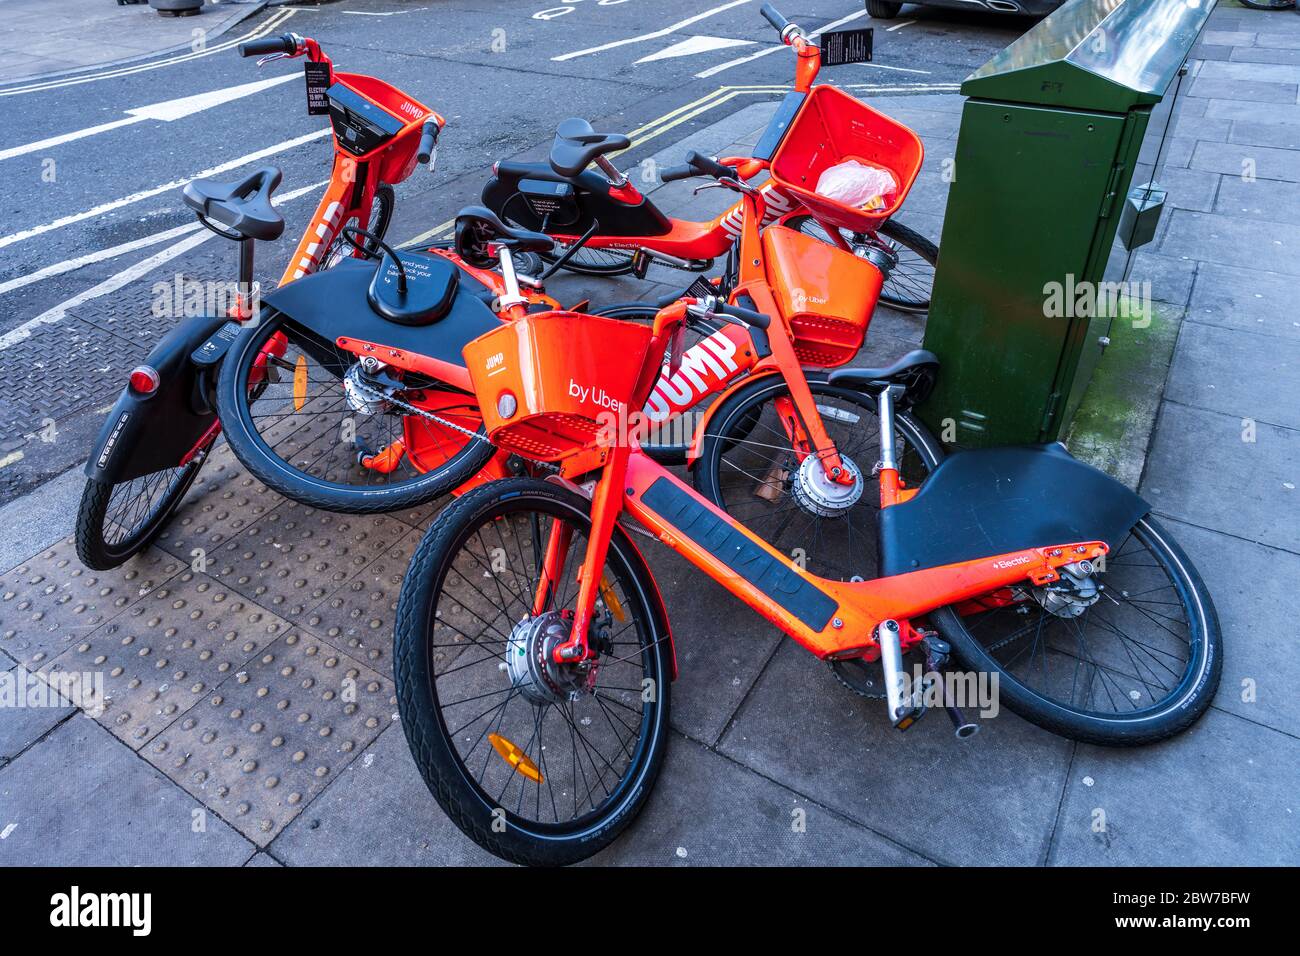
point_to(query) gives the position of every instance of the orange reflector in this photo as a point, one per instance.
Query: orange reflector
(611, 600)
(512, 755)
(300, 383)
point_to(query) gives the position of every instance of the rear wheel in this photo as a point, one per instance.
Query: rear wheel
(538, 762)
(308, 420)
(883, 9)
(1128, 654)
(116, 521)
(910, 282)
(748, 468)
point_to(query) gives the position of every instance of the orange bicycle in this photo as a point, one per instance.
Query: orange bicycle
(533, 652)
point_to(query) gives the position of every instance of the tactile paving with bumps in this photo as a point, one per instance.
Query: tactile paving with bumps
(52, 601)
(164, 653)
(268, 739)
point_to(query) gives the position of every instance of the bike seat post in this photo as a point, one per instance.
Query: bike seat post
(512, 296)
(246, 290)
(888, 455)
(616, 178)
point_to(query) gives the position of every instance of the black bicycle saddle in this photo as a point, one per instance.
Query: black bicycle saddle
(477, 226)
(243, 207)
(577, 144)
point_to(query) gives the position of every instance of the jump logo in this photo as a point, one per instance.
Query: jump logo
(132, 910)
(777, 205)
(326, 227)
(713, 357)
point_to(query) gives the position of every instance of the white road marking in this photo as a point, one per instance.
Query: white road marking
(899, 69)
(166, 112)
(714, 70)
(157, 190)
(693, 45)
(275, 21)
(657, 34)
(898, 26)
(10, 459)
(99, 255)
(59, 312)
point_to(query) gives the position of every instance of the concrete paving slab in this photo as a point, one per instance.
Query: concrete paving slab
(1251, 91)
(42, 519)
(1263, 72)
(79, 798)
(401, 825)
(1190, 188)
(1198, 453)
(1222, 794)
(1265, 134)
(1246, 299)
(1238, 108)
(263, 859)
(710, 811)
(79, 34)
(1259, 55)
(52, 602)
(1253, 244)
(267, 740)
(1260, 666)
(29, 712)
(721, 646)
(1236, 373)
(167, 652)
(839, 749)
(1272, 201)
(1249, 161)
(1171, 278)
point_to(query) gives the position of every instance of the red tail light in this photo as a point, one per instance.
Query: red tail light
(144, 380)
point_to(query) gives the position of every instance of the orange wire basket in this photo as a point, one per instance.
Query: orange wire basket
(547, 384)
(833, 127)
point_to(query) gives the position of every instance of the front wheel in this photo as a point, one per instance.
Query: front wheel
(1130, 653)
(539, 763)
(116, 521)
(381, 214)
(311, 423)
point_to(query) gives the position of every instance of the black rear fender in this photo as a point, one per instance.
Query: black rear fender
(990, 501)
(148, 433)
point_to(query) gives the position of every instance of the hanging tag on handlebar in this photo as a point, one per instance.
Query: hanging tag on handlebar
(700, 288)
(318, 81)
(846, 46)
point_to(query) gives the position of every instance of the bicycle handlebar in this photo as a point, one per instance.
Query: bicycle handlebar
(286, 43)
(698, 165)
(428, 141)
(774, 16)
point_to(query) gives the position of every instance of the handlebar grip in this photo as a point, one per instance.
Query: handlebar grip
(707, 166)
(281, 44)
(748, 316)
(773, 16)
(674, 173)
(428, 140)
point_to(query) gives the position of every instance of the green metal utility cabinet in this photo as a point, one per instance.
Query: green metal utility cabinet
(1062, 137)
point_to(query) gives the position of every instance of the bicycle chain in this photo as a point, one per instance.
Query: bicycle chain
(376, 393)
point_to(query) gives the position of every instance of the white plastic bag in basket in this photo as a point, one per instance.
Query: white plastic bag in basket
(855, 184)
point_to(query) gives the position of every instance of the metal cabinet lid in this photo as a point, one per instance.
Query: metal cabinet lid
(1109, 55)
